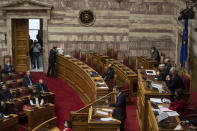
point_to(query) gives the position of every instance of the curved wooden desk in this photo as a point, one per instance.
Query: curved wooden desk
(76, 74)
(122, 71)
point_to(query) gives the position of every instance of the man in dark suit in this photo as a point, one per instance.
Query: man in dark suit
(110, 73)
(120, 106)
(8, 68)
(52, 61)
(27, 80)
(42, 87)
(155, 54)
(173, 80)
(5, 93)
(161, 74)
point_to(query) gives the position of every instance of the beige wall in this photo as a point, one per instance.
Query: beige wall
(132, 27)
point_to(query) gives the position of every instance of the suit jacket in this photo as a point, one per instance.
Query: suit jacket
(52, 56)
(26, 81)
(162, 76)
(193, 122)
(42, 87)
(110, 74)
(8, 69)
(5, 94)
(175, 83)
(155, 55)
(120, 108)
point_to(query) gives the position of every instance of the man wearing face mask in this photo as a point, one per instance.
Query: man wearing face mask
(155, 54)
(52, 61)
(27, 80)
(120, 106)
(42, 87)
(8, 68)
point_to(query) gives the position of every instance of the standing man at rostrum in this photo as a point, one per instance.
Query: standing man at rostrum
(52, 61)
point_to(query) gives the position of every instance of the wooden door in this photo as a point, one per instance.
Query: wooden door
(20, 44)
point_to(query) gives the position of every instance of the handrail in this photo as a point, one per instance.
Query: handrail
(42, 124)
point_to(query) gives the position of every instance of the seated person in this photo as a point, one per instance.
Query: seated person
(179, 104)
(8, 68)
(155, 54)
(36, 99)
(173, 80)
(192, 124)
(110, 73)
(67, 125)
(161, 73)
(42, 87)
(27, 80)
(167, 65)
(3, 109)
(5, 93)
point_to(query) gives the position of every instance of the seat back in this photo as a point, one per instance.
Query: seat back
(77, 54)
(126, 60)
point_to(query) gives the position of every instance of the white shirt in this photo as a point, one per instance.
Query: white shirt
(37, 102)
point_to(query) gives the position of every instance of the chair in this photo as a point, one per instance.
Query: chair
(83, 57)
(109, 52)
(115, 54)
(77, 54)
(126, 60)
(133, 63)
(126, 90)
(89, 60)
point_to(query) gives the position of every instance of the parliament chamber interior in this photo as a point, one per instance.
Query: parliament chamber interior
(98, 65)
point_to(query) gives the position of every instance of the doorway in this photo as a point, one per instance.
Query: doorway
(27, 44)
(36, 45)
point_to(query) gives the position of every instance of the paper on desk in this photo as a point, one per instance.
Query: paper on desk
(101, 83)
(172, 113)
(105, 109)
(67, 56)
(102, 112)
(106, 119)
(162, 116)
(164, 109)
(178, 127)
(103, 87)
(156, 100)
(158, 86)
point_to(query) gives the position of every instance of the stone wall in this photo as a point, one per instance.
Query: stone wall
(131, 26)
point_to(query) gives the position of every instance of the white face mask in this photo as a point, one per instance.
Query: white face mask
(8, 63)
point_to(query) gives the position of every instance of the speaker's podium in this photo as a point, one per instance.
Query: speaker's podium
(100, 119)
(96, 116)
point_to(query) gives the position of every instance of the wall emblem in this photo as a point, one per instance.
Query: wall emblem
(86, 17)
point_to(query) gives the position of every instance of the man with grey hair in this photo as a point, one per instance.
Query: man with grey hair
(173, 80)
(161, 74)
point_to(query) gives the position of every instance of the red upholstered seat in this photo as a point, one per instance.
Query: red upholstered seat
(83, 57)
(77, 54)
(109, 52)
(126, 60)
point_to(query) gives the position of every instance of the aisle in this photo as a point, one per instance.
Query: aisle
(67, 100)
